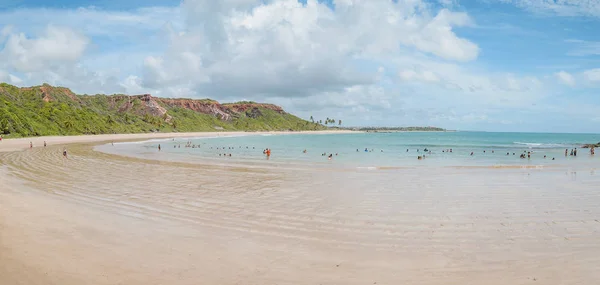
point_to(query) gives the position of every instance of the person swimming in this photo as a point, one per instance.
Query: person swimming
(65, 153)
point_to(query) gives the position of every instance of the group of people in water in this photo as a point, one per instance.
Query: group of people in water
(526, 154)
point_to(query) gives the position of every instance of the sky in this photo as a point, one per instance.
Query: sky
(491, 65)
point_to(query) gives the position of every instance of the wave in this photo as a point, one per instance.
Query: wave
(543, 145)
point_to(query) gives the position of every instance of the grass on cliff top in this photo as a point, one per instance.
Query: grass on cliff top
(23, 113)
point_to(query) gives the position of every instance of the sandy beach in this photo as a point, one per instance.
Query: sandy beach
(99, 218)
(23, 143)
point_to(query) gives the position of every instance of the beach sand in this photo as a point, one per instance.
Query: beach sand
(97, 218)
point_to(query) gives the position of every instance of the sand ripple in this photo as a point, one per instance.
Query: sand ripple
(236, 225)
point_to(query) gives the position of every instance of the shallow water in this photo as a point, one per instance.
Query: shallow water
(373, 150)
(269, 224)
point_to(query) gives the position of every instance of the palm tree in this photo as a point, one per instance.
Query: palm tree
(68, 124)
(311, 119)
(340, 123)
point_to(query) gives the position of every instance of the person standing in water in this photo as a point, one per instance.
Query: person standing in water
(30, 144)
(158, 147)
(65, 152)
(44, 143)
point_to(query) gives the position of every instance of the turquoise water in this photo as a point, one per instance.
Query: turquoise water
(384, 149)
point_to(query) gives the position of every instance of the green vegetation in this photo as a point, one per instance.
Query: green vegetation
(46, 110)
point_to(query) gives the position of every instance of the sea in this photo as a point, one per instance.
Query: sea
(372, 150)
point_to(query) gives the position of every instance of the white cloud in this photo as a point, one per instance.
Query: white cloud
(357, 61)
(285, 48)
(560, 7)
(565, 78)
(56, 46)
(411, 75)
(592, 75)
(583, 48)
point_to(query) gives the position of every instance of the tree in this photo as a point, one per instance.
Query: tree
(340, 123)
(109, 119)
(311, 119)
(4, 126)
(68, 124)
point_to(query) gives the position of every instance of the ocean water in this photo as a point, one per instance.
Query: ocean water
(373, 150)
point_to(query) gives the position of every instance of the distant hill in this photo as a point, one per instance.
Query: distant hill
(47, 110)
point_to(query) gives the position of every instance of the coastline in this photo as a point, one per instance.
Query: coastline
(97, 218)
(17, 144)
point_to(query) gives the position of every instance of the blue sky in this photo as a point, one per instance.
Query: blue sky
(497, 65)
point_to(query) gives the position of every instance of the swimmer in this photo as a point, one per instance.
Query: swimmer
(330, 156)
(65, 153)
(44, 143)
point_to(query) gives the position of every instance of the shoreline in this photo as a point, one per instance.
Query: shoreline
(19, 144)
(105, 219)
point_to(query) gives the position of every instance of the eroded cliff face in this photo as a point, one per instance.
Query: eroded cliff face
(243, 107)
(209, 107)
(155, 106)
(47, 90)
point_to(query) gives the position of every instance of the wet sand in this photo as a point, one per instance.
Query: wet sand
(97, 218)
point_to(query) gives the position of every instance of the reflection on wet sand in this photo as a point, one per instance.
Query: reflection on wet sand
(97, 218)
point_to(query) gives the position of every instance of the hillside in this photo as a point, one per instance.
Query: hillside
(47, 110)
